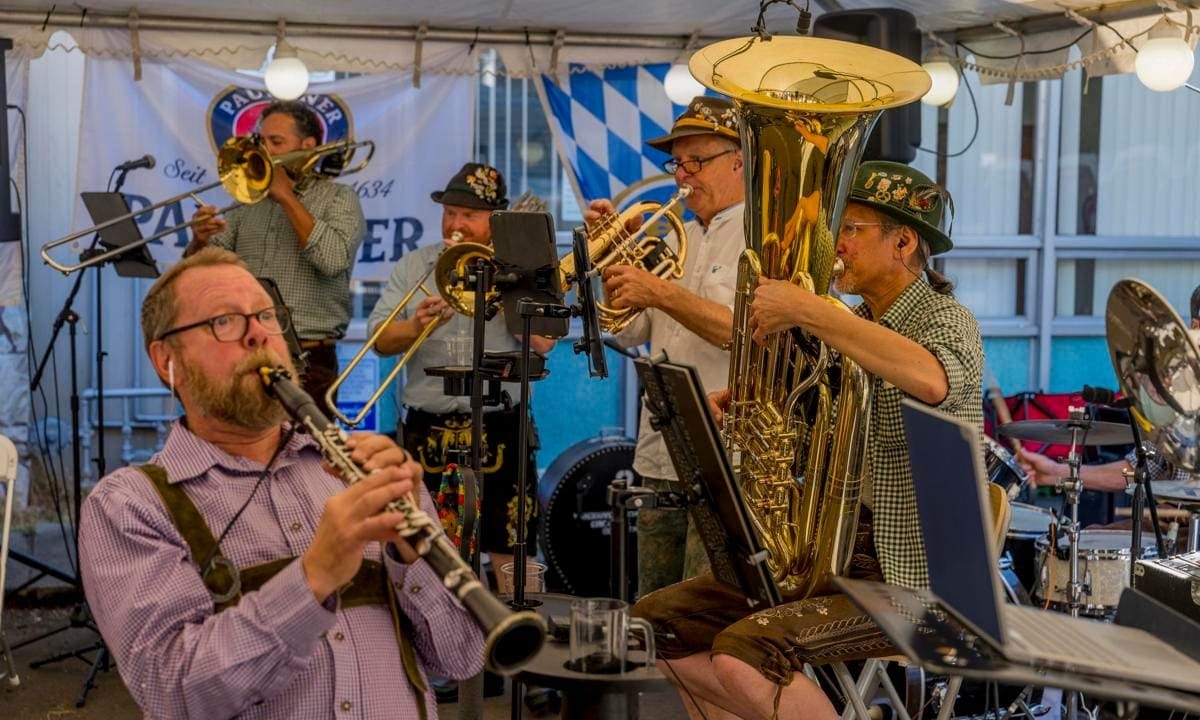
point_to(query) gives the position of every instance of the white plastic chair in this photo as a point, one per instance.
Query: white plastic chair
(8, 476)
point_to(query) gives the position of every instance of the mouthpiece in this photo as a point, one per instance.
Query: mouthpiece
(456, 237)
(839, 268)
(685, 191)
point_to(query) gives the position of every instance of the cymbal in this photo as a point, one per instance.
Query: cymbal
(1059, 432)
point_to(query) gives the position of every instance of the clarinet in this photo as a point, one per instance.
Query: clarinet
(511, 638)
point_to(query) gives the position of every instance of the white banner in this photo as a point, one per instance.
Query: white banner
(181, 112)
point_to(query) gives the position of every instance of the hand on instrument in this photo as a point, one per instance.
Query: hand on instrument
(353, 518)
(431, 308)
(718, 403)
(207, 223)
(282, 186)
(628, 287)
(776, 307)
(1041, 469)
(601, 207)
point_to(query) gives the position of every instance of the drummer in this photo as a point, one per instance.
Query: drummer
(1114, 476)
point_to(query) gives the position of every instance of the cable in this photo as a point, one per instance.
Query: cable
(974, 133)
(679, 682)
(1014, 56)
(206, 565)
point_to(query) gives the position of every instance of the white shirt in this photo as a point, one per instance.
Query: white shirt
(709, 272)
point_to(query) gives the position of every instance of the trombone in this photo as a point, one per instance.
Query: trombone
(453, 259)
(450, 259)
(245, 168)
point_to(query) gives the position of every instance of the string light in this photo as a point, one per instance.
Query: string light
(945, 79)
(1164, 61)
(681, 87)
(287, 75)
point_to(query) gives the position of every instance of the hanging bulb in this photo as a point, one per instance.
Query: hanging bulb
(944, 76)
(1164, 61)
(681, 87)
(287, 75)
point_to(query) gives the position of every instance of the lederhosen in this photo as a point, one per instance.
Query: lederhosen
(705, 615)
(435, 440)
(228, 584)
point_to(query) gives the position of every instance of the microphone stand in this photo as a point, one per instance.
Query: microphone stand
(1142, 493)
(80, 615)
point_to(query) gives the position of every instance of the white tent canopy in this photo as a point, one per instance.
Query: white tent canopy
(440, 36)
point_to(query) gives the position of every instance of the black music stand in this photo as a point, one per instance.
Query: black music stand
(679, 410)
(102, 206)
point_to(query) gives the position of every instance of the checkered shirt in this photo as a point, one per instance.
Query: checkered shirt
(1162, 470)
(948, 330)
(278, 653)
(315, 280)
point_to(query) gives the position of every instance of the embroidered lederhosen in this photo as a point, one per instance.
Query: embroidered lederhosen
(228, 583)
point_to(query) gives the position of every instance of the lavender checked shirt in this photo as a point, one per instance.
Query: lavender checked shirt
(279, 653)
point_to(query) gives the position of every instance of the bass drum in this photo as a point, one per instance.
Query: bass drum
(576, 522)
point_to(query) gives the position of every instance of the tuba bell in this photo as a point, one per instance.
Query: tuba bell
(797, 424)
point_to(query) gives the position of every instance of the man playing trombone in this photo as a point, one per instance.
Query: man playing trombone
(437, 427)
(304, 239)
(691, 319)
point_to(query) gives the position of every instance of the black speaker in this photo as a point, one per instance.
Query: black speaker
(898, 132)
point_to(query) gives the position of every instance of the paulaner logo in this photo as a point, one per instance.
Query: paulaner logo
(235, 111)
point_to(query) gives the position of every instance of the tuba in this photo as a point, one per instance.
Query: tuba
(798, 420)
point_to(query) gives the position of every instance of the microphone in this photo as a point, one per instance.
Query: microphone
(145, 161)
(1104, 396)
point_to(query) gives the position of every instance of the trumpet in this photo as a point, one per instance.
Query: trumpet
(246, 169)
(609, 244)
(511, 639)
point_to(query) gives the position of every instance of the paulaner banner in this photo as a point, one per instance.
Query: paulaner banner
(182, 111)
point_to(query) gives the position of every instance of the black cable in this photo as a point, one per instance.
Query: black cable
(679, 682)
(206, 566)
(1014, 56)
(974, 133)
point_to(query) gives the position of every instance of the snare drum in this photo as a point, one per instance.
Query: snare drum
(1029, 524)
(1104, 566)
(1002, 468)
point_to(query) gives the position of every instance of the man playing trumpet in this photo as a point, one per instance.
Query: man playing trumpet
(691, 319)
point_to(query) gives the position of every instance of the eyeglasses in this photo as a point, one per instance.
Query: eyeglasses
(232, 327)
(850, 229)
(691, 167)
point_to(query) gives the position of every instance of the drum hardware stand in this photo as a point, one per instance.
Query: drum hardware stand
(1142, 494)
(622, 499)
(1072, 487)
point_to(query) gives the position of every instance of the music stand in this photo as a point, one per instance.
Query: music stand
(679, 410)
(102, 206)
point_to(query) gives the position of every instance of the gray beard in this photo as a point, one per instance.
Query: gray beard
(240, 400)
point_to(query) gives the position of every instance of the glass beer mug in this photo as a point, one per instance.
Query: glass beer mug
(600, 630)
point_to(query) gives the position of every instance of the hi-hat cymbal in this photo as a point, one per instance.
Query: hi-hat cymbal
(1059, 432)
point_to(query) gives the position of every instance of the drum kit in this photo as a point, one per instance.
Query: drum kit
(1081, 572)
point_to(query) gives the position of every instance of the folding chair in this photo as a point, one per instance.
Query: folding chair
(8, 476)
(865, 688)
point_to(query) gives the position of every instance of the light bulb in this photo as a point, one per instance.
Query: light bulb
(681, 87)
(287, 75)
(1164, 62)
(944, 77)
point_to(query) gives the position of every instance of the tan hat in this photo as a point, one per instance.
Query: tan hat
(704, 116)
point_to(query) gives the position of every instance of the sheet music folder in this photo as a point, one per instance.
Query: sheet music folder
(677, 402)
(104, 206)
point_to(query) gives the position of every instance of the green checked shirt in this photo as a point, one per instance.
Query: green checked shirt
(315, 280)
(948, 330)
